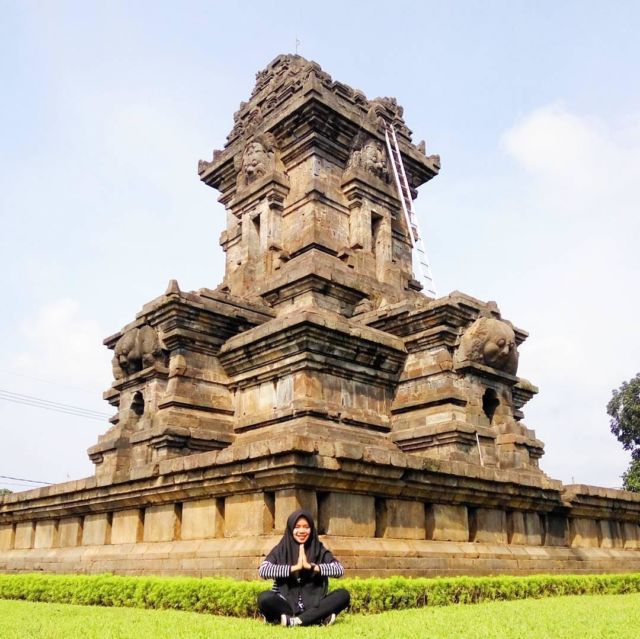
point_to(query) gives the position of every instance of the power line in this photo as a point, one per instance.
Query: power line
(48, 381)
(30, 481)
(55, 410)
(37, 402)
(49, 402)
(52, 407)
(19, 485)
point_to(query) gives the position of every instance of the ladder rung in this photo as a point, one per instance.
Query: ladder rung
(402, 184)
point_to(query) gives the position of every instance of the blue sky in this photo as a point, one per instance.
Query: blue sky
(533, 107)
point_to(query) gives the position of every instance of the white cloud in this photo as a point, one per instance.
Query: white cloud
(588, 161)
(581, 250)
(555, 144)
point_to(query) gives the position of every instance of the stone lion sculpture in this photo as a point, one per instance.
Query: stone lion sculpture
(491, 342)
(138, 348)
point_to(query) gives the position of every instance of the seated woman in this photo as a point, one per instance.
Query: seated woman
(300, 566)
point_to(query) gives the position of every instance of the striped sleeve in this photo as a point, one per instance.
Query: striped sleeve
(334, 569)
(268, 570)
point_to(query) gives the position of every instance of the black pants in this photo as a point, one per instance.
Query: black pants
(272, 605)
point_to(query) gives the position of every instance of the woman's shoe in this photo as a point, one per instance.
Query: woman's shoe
(327, 621)
(290, 622)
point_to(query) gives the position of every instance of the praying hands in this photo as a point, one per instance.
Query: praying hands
(303, 563)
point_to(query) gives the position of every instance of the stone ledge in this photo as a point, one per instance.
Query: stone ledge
(324, 319)
(422, 478)
(362, 557)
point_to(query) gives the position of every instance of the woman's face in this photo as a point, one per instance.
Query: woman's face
(301, 530)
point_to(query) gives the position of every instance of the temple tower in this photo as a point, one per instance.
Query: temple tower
(318, 374)
(319, 327)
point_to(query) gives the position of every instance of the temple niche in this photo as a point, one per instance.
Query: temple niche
(318, 374)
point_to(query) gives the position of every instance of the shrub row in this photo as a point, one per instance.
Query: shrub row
(378, 595)
(237, 598)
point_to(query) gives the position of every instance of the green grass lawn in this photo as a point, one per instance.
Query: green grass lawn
(585, 617)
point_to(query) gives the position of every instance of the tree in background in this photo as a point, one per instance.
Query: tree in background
(4, 491)
(624, 410)
(631, 477)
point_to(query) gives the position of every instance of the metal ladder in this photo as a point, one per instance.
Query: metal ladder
(419, 258)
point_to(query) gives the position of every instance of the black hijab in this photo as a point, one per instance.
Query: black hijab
(307, 585)
(287, 551)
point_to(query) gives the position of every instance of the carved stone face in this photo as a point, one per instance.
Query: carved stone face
(490, 342)
(499, 347)
(255, 161)
(373, 158)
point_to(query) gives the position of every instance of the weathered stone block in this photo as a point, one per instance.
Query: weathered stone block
(534, 529)
(46, 534)
(201, 519)
(70, 532)
(347, 515)
(290, 500)
(127, 526)
(7, 535)
(516, 527)
(557, 531)
(25, 532)
(524, 528)
(401, 519)
(631, 535)
(610, 534)
(584, 533)
(490, 526)
(447, 523)
(96, 530)
(248, 514)
(161, 523)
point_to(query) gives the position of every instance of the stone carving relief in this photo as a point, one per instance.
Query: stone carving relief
(383, 110)
(491, 342)
(422, 147)
(288, 69)
(387, 106)
(138, 348)
(257, 159)
(286, 74)
(246, 123)
(203, 165)
(370, 155)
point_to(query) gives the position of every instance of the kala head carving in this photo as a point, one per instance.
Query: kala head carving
(374, 159)
(491, 342)
(370, 156)
(258, 159)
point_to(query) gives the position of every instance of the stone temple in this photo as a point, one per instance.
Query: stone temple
(318, 374)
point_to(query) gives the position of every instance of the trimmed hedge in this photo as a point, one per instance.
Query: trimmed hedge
(238, 598)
